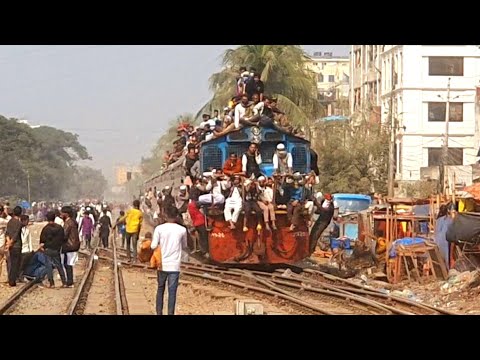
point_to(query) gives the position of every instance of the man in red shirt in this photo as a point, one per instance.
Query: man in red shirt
(198, 220)
(232, 166)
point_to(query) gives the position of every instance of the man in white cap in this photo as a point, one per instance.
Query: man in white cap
(216, 185)
(282, 160)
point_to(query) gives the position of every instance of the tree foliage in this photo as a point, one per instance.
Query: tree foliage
(420, 189)
(154, 162)
(44, 155)
(352, 158)
(284, 72)
(88, 183)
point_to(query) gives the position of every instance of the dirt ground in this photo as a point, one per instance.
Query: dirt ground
(194, 297)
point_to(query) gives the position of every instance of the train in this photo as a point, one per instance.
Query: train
(227, 246)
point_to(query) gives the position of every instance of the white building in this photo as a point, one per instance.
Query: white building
(420, 75)
(333, 77)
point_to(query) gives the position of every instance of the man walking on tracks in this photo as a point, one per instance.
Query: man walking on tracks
(171, 238)
(72, 243)
(133, 220)
(52, 238)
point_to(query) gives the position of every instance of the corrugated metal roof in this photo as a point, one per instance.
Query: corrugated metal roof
(335, 118)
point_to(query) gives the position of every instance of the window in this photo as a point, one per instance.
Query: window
(331, 78)
(445, 66)
(299, 157)
(212, 158)
(320, 77)
(346, 78)
(455, 156)
(267, 149)
(436, 111)
(456, 112)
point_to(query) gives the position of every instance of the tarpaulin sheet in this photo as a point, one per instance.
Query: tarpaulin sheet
(405, 242)
(465, 228)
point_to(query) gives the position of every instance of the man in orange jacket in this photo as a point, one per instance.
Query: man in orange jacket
(146, 254)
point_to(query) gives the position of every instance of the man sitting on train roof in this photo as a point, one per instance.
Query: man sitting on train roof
(207, 119)
(179, 146)
(243, 111)
(218, 130)
(216, 186)
(282, 161)
(227, 126)
(251, 161)
(208, 132)
(232, 166)
(251, 204)
(234, 202)
(192, 142)
(255, 86)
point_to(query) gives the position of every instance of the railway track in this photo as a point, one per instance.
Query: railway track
(30, 300)
(330, 296)
(91, 291)
(12, 300)
(309, 290)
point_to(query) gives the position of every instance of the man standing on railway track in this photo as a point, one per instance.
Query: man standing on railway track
(133, 221)
(52, 238)
(172, 239)
(72, 243)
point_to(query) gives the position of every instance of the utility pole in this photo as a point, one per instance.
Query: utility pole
(444, 158)
(391, 152)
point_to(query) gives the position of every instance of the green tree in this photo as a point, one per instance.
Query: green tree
(87, 183)
(154, 162)
(353, 158)
(284, 72)
(45, 155)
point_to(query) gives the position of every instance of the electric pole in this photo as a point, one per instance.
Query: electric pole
(391, 151)
(444, 158)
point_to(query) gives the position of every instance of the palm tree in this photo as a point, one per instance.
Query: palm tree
(285, 75)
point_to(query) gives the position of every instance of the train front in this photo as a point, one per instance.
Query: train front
(257, 243)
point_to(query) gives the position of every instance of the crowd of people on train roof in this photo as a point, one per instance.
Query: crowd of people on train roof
(249, 106)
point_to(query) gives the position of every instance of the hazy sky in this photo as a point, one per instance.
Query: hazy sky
(117, 98)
